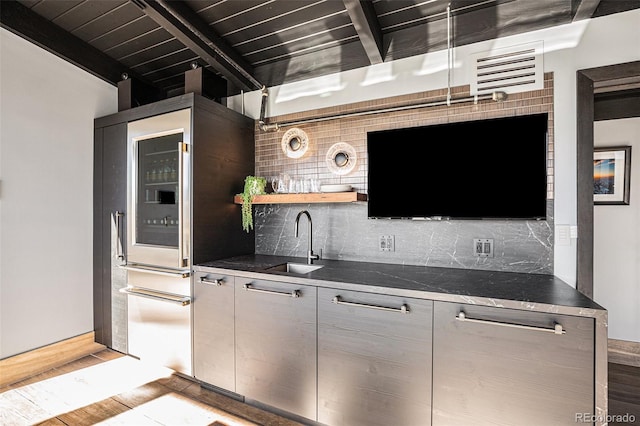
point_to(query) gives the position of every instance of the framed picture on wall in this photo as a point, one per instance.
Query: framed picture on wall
(611, 175)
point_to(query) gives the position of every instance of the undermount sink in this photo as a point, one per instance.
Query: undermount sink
(296, 268)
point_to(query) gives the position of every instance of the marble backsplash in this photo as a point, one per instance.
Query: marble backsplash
(343, 232)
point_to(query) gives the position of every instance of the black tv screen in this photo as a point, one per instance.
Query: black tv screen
(483, 169)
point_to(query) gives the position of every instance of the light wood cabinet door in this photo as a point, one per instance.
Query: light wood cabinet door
(213, 330)
(276, 342)
(497, 366)
(374, 359)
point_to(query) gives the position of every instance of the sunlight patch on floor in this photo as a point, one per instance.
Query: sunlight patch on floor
(65, 393)
(175, 409)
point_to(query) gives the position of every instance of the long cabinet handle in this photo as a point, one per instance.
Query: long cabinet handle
(293, 293)
(215, 281)
(158, 271)
(163, 297)
(557, 329)
(182, 246)
(404, 309)
(118, 216)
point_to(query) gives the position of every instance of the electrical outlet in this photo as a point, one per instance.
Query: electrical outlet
(387, 243)
(483, 247)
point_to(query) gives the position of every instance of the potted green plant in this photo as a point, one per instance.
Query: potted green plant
(253, 185)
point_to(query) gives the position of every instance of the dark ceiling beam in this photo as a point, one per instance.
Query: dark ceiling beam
(20, 20)
(585, 9)
(187, 27)
(365, 21)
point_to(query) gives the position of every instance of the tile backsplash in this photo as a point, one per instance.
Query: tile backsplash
(343, 231)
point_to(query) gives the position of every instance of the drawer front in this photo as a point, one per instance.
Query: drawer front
(374, 359)
(159, 332)
(213, 330)
(495, 366)
(276, 344)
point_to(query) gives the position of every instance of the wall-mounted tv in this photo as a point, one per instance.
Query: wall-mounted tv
(482, 169)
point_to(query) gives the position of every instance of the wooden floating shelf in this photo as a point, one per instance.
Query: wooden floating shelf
(322, 197)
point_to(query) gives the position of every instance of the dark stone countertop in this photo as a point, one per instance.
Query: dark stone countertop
(537, 292)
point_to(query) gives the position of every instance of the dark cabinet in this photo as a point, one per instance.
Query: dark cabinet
(109, 235)
(222, 154)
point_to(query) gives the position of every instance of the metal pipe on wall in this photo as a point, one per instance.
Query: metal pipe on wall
(495, 96)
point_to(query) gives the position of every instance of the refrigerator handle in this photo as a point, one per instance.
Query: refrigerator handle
(118, 215)
(183, 149)
(156, 295)
(157, 270)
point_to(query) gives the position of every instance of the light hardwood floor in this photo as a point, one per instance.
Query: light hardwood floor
(110, 388)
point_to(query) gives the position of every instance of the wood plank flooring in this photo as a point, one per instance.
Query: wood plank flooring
(624, 393)
(84, 392)
(110, 388)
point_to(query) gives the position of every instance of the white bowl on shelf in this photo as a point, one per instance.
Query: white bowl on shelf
(335, 188)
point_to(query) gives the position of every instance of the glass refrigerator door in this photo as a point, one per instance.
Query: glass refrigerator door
(158, 190)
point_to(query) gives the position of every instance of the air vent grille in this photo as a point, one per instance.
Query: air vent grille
(513, 69)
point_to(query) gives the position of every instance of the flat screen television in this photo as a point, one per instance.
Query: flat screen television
(483, 169)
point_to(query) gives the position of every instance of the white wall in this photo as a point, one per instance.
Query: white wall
(608, 40)
(617, 239)
(47, 107)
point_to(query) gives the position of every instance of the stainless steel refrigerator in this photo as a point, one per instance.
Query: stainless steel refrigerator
(158, 244)
(184, 166)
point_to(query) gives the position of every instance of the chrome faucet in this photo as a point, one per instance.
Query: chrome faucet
(310, 256)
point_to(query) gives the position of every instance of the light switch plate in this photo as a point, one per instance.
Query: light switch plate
(387, 243)
(483, 247)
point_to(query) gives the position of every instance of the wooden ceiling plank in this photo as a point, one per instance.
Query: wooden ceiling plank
(585, 9)
(51, 10)
(313, 64)
(365, 21)
(186, 26)
(266, 49)
(22, 21)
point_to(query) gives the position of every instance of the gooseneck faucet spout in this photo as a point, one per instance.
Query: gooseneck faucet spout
(310, 255)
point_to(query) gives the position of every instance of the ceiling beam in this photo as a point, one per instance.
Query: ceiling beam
(187, 27)
(365, 21)
(585, 9)
(20, 20)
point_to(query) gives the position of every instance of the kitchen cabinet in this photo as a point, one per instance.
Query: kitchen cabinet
(213, 330)
(374, 359)
(497, 366)
(351, 350)
(159, 320)
(109, 235)
(179, 211)
(275, 325)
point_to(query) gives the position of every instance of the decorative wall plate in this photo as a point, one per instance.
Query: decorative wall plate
(295, 143)
(341, 158)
